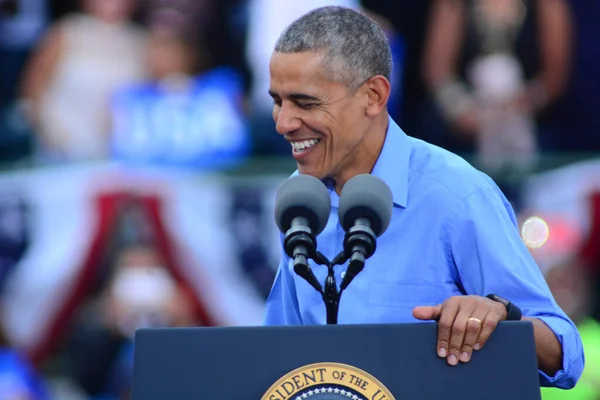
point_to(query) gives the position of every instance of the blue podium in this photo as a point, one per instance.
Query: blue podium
(330, 362)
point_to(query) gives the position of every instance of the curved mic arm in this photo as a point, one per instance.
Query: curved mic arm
(302, 268)
(341, 258)
(297, 242)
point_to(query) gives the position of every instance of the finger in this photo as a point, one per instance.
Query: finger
(448, 314)
(474, 325)
(457, 336)
(487, 327)
(427, 312)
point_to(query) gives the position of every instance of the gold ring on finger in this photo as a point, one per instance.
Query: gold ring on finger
(475, 319)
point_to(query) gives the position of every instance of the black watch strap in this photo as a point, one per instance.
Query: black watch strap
(513, 312)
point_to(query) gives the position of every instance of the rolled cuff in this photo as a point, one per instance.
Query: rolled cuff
(573, 357)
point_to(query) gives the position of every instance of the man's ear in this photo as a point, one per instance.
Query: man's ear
(378, 92)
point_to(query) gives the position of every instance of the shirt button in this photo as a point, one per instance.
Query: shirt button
(343, 274)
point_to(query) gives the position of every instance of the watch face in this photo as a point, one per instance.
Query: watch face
(501, 300)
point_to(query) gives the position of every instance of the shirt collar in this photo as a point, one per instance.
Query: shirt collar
(392, 165)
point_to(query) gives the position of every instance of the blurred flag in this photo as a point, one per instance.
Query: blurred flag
(73, 214)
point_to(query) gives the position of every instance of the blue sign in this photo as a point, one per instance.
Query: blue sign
(199, 125)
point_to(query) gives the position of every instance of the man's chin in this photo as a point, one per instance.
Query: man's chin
(307, 172)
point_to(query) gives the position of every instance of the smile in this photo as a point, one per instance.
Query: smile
(301, 146)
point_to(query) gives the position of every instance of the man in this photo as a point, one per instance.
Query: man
(452, 239)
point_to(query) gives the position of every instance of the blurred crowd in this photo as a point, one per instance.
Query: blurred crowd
(111, 109)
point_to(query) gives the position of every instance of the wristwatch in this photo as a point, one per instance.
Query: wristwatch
(513, 312)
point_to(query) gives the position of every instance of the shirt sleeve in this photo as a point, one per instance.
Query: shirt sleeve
(490, 257)
(282, 303)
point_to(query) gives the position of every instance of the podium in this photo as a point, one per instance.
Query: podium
(330, 362)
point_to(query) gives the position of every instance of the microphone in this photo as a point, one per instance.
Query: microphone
(302, 208)
(365, 211)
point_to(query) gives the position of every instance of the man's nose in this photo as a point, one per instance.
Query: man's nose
(286, 119)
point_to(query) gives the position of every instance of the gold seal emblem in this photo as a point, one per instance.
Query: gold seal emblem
(328, 381)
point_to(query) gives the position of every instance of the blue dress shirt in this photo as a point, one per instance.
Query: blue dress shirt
(452, 233)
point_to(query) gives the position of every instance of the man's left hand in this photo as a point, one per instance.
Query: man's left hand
(464, 324)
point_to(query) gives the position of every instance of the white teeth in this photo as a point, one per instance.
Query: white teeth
(304, 144)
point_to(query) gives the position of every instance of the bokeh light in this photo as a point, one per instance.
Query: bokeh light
(535, 232)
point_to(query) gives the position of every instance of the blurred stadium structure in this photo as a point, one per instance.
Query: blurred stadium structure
(182, 174)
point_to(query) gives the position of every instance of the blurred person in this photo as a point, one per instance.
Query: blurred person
(575, 125)
(493, 66)
(82, 59)
(187, 114)
(140, 293)
(225, 35)
(408, 18)
(22, 22)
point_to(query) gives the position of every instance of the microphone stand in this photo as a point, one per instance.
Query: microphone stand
(331, 295)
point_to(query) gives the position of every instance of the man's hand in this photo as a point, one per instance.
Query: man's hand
(464, 323)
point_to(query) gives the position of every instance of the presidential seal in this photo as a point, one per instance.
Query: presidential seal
(328, 381)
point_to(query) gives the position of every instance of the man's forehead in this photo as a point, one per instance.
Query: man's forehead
(299, 73)
(304, 65)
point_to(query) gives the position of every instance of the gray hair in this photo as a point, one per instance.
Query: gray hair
(353, 46)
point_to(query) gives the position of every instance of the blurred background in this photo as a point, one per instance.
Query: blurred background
(139, 162)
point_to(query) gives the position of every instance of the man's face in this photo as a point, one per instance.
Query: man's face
(323, 121)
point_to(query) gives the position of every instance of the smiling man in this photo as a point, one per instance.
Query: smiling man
(452, 252)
